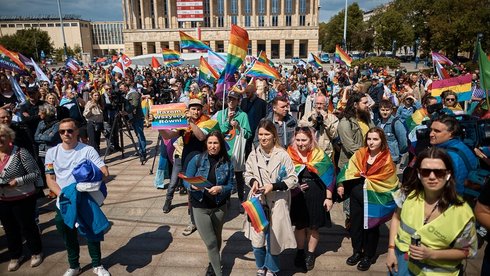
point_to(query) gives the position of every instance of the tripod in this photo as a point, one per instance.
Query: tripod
(157, 152)
(124, 128)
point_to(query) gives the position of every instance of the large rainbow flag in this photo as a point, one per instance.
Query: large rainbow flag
(263, 70)
(171, 57)
(190, 43)
(380, 183)
(10, 61)
(237, 51)
(461, 85)
(314, 61)
(264, 59)
(256, 213)
(207, 74)
(317, 163)
(343, 56)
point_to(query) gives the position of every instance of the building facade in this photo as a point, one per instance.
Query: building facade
(282, 28)
(107, 36)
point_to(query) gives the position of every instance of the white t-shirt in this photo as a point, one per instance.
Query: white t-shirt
(61, 162)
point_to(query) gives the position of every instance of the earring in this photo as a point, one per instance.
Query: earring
(448, 177)
(418, 174)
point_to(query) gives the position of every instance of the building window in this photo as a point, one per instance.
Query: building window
(193, 24)
(274, 20)
(50, 25)
(220, 46)
(152, 14)
(249, 48)
(42, 25)
(275, 7)
(247, 21)
(207, 22)
(66, 24)
(74, 24)
(261, 7)
(234, 7)
(11, 25)
(58, 24)
(234, 19)
(221, 21)
(302, 6)
(181, 24)
(288, 9)
(260, 20)
(248, 7)
(288, 20)
(27, 25)
(3, 25)
(220, 7)
(165, 13)
(302, 20)
(19, 26)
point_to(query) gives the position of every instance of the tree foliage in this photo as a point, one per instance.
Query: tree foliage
(28, 41)
(378, 62)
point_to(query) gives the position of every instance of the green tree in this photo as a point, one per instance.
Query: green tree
(390, 25)
(29, 42)
(60, 52)
(332, 32)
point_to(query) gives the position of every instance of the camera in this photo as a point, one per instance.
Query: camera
(317, 121)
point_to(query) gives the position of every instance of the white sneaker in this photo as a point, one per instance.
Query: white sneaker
(14, 264)
(73, 272)
(101, 271)
(36, 260)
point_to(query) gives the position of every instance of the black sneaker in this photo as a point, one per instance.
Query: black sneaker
(364, 264)
(354, 259)
(167, 206)
(210, 270)
(309, 260)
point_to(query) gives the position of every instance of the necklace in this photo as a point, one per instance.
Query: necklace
(433, 210)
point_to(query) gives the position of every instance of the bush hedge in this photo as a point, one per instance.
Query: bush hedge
(378, 62)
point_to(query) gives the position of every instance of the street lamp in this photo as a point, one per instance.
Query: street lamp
(417, 42)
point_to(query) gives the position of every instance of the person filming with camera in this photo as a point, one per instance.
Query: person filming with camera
(134, 112)
(324, 123)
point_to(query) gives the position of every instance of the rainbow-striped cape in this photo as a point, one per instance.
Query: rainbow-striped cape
(380, 183)
(317, 162)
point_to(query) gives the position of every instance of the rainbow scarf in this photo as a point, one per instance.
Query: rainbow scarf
(237, 51)
(317, 163)
(171, 57)
(207, 75)
(263, 70)
(256, 213)
(416, 119)
(314, 61)
(343, 56)
(380, 183)
(188, 42)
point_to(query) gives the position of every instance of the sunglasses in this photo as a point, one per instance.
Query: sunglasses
(439, 173)
(63, 131)
(450, 99)
(303, 128)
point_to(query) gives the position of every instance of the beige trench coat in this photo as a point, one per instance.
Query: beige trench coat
(281, 230)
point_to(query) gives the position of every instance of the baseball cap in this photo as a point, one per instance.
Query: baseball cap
(234, 95)
(195, 102)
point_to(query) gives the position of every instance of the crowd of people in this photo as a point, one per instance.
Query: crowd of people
(378, 143)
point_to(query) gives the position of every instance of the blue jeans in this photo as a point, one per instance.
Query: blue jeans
(402, 264)
(263, 257)
(138, 125)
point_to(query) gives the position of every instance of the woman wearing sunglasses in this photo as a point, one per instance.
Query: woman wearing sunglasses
(312, 200)
(437, 216)
(370, 174)
(450, 101)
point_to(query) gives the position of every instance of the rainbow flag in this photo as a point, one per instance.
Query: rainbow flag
(207, 74)
(343, 55)
(10, 61)
(171, 57)
(188, 42)
(461, 85)
(314, 61)
(256, 213)
(380, 183)
(264, 59)
(263, 70)
(318, 163)
(237, 51)
(198, 181)
(441, 59)
(416, 119)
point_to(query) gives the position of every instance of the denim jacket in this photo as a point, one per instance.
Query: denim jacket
(398, 141)
(224, 176)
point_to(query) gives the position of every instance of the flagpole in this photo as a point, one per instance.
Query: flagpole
(244, 73)
(223, 110)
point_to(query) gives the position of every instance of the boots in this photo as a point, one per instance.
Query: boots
(309, 260)
(167, 206)
(299, 259)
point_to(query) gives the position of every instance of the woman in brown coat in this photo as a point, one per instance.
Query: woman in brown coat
(270, 172)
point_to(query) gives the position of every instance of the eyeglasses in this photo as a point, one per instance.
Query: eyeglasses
(63, 131)
(450, 99)
(439, 173)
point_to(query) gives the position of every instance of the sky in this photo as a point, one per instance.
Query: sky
(111, 10)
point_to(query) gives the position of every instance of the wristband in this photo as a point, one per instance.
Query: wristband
(391, 247)
(329, 198)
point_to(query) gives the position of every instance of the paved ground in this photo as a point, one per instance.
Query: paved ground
(144, 241)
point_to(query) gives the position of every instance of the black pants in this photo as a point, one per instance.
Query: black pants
(363, 240)
(18, 221)
(240, 185)
(94, 131)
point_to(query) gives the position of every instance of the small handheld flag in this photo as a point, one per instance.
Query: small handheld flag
(73, 65)
(198, 181)
(256, 213)
(207, 74)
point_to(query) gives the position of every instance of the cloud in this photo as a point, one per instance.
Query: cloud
(95, 10)
(329, 8)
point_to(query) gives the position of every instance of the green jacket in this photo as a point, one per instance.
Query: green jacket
(240, 116)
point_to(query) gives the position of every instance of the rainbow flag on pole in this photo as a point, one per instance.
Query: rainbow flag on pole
(344, 57)
(314, 61)
(264, 59)
(207, 74)
(256, 213)
(237, 51)
(318, 163)
(380, 183)
(461, 85)
(171, 57)
(188, 42)
(263, 70)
